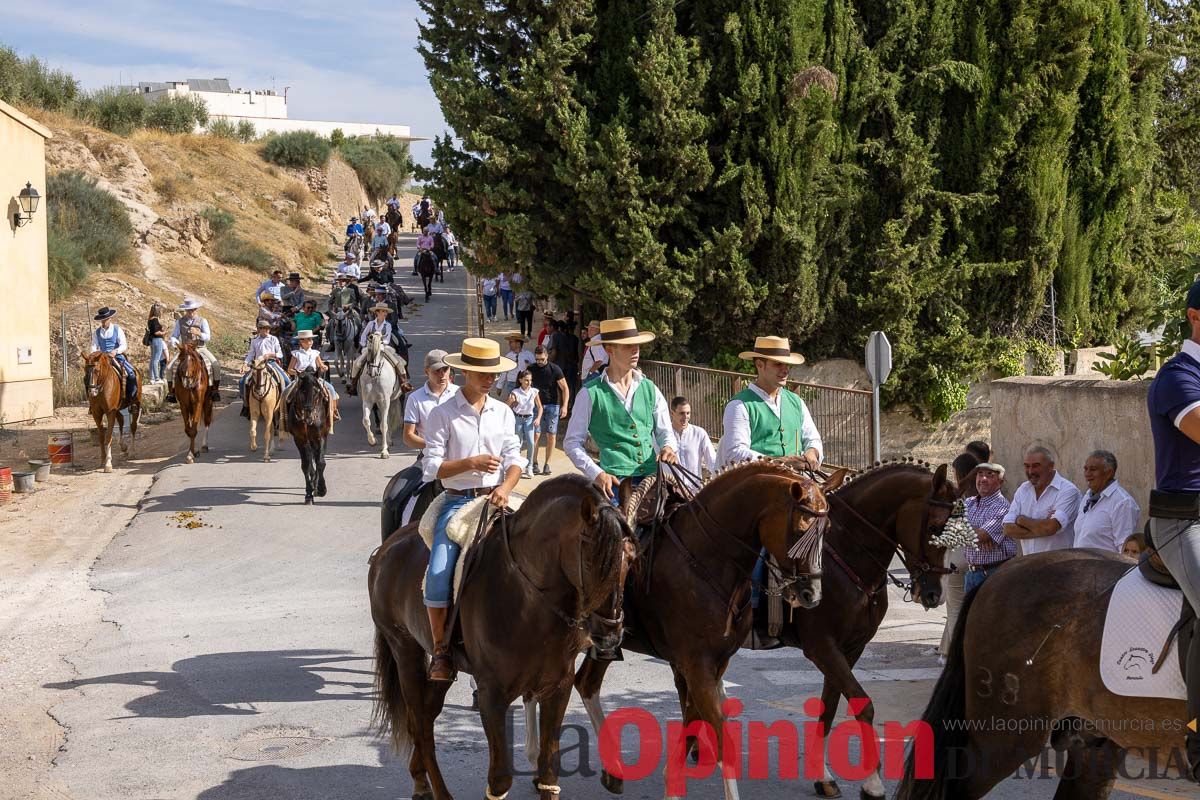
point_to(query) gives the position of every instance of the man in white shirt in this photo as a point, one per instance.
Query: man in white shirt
(264, 344)
(696, 451)
(521, 357)
(381, 326)
(1108, 514)
(349, 267)
(594, 358)
(1043, 509)
(273, 284)
(193, 329)
(471, 446)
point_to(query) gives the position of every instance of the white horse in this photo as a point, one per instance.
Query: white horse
(343, 334)
(381, 387)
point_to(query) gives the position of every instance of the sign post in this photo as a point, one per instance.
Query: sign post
(879, 366)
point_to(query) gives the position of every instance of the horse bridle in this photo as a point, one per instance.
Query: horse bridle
(261, 382)
(922, 567)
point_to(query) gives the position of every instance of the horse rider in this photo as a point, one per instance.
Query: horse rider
(1174, 406)
(380, 242)
(344, 295)
(471, 446)
(269, 308)
(349, 267)
(287, 329)
(765, 419)
(110, 338)
(308, 357)
(192, 328)
(293, 293)
(381, 325)
(264, 344)
(273, 284)
(624, 412)
(424, 244)
(354, 234)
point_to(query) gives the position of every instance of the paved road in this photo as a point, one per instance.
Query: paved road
(234, 658)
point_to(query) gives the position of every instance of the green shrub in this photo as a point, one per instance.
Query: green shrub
(115, 110)
(382, 163)
(1044, 358)
(229, 248)
(246, 131)
(222, 128)
(32, 83)
(1009, 360)
(66, 265)
(219, 220)
(93, 220)
(1130, 361)
(298, 149)
(947, 396)
(176, 114)
(336, 138)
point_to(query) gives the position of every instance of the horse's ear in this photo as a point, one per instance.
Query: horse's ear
(939, 478)
(590, 510)
(835, 480)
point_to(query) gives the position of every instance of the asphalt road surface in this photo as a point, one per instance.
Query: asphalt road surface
(234, 660)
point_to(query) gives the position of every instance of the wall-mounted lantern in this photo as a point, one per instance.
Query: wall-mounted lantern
(29, 199)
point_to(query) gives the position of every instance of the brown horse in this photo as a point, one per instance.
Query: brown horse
(307, 415)
(890, 510)
(263, 391)
(687, 601)
(551, 565)
(1026, 652)
(191, 390)
(105, 389)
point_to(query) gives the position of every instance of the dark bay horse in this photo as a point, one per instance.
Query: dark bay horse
(426, 267)
(442, 250)
(890, 510)
(687, 601)
(191, 389)
(105, 384)
(307, 414)
(394, 219)
(552, 565)
(1026, 650)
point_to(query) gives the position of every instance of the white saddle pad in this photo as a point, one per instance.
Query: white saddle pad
(1139, 619)
(461, 529)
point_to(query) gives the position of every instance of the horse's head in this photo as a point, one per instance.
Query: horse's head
(792, 528)
(307, 405)
(92, 364)
(920, 535)
(598, 567)
(190, 366)
(374, 345)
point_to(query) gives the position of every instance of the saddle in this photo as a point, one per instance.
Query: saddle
(465, 530)
(1152, 569)
(654, 500)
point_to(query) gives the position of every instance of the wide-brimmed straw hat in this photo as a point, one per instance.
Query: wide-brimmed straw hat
(262, 323)
(381, 307)
(480, 355)
(104, 314)
(189, 305)
(508, 337)
(304, 334)
(773, 348)
(623, 330)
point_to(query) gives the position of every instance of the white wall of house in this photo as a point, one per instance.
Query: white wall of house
(325, 127)
(228, 104)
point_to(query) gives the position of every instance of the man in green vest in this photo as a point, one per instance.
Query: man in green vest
(624, 412)
(765, 419)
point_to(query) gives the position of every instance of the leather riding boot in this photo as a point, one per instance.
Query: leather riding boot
(441, 667)
(215, 391)
(1192, 679)
(352, 387)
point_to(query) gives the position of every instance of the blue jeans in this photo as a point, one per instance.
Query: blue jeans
(758, 578)
(507, 296)
(527, 436)
(489, 306)
(439, 579)
(615, 500)
(158, 348)
(975, 577)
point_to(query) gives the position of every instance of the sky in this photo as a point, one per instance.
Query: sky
(360, 67)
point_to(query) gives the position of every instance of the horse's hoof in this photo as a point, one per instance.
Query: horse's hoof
(423, 796)
(266, 459)
(863, 794)
(308, 499)
(827, 789)
(190, 459)
(107, 468)
(254, 447)
(613, 785)
(383, 455)
(321, 491)
(371, 439)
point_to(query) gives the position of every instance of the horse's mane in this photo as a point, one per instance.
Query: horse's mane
(742, 468)
(884, 469)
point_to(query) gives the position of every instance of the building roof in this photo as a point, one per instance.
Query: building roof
(28, 122)
(209, 85)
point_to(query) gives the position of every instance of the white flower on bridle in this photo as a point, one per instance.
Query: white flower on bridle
(957, 532)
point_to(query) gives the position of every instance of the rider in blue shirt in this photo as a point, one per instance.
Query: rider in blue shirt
(1174, 405)
(355, 228)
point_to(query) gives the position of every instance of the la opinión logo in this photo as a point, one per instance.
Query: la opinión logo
(754, 740)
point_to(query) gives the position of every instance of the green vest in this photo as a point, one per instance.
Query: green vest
(769, 435)
(626, 440)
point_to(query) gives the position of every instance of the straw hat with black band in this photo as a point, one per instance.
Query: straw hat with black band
(773, 348)
(480, 355)
(623, 330)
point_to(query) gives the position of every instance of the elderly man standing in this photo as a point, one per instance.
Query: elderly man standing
(985, 513)
(1043, 510)
(1108, 514)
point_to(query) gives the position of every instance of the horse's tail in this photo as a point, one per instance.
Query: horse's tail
(946, 717)
(390, 713)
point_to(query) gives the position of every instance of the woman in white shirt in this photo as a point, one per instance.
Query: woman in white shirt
(305, 357)
(526, 403)
(489, 298)
(506, 293)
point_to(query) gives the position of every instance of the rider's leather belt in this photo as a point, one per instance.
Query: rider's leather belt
(1174, 505)
(477, 492)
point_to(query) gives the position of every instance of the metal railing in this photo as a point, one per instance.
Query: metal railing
(843, 416)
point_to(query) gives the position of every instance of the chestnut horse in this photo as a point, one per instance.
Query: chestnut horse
(551, 566)
(307, 415)
(688, 600)
(263, 392)
(1026, 652)
(105, 384)
(890, 510)
(191, 390)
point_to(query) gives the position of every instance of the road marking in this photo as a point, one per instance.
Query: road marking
(808, 677)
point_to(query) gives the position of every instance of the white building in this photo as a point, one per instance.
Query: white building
(265, 109)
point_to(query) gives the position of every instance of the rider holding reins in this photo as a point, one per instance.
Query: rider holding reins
(264, 344)
(110, 338)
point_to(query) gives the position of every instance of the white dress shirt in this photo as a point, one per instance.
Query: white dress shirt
(261, 345)
(526, 401)
(351, 269)
(523, 359)
(384, 327)
(421, 402)
(1059, 500)
(591, 355)
(305, 359)
(581, 419)
(199, 328)
(456, 430)
(106, 334)
(696, 450)
(735, 443)
(1108, 523)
